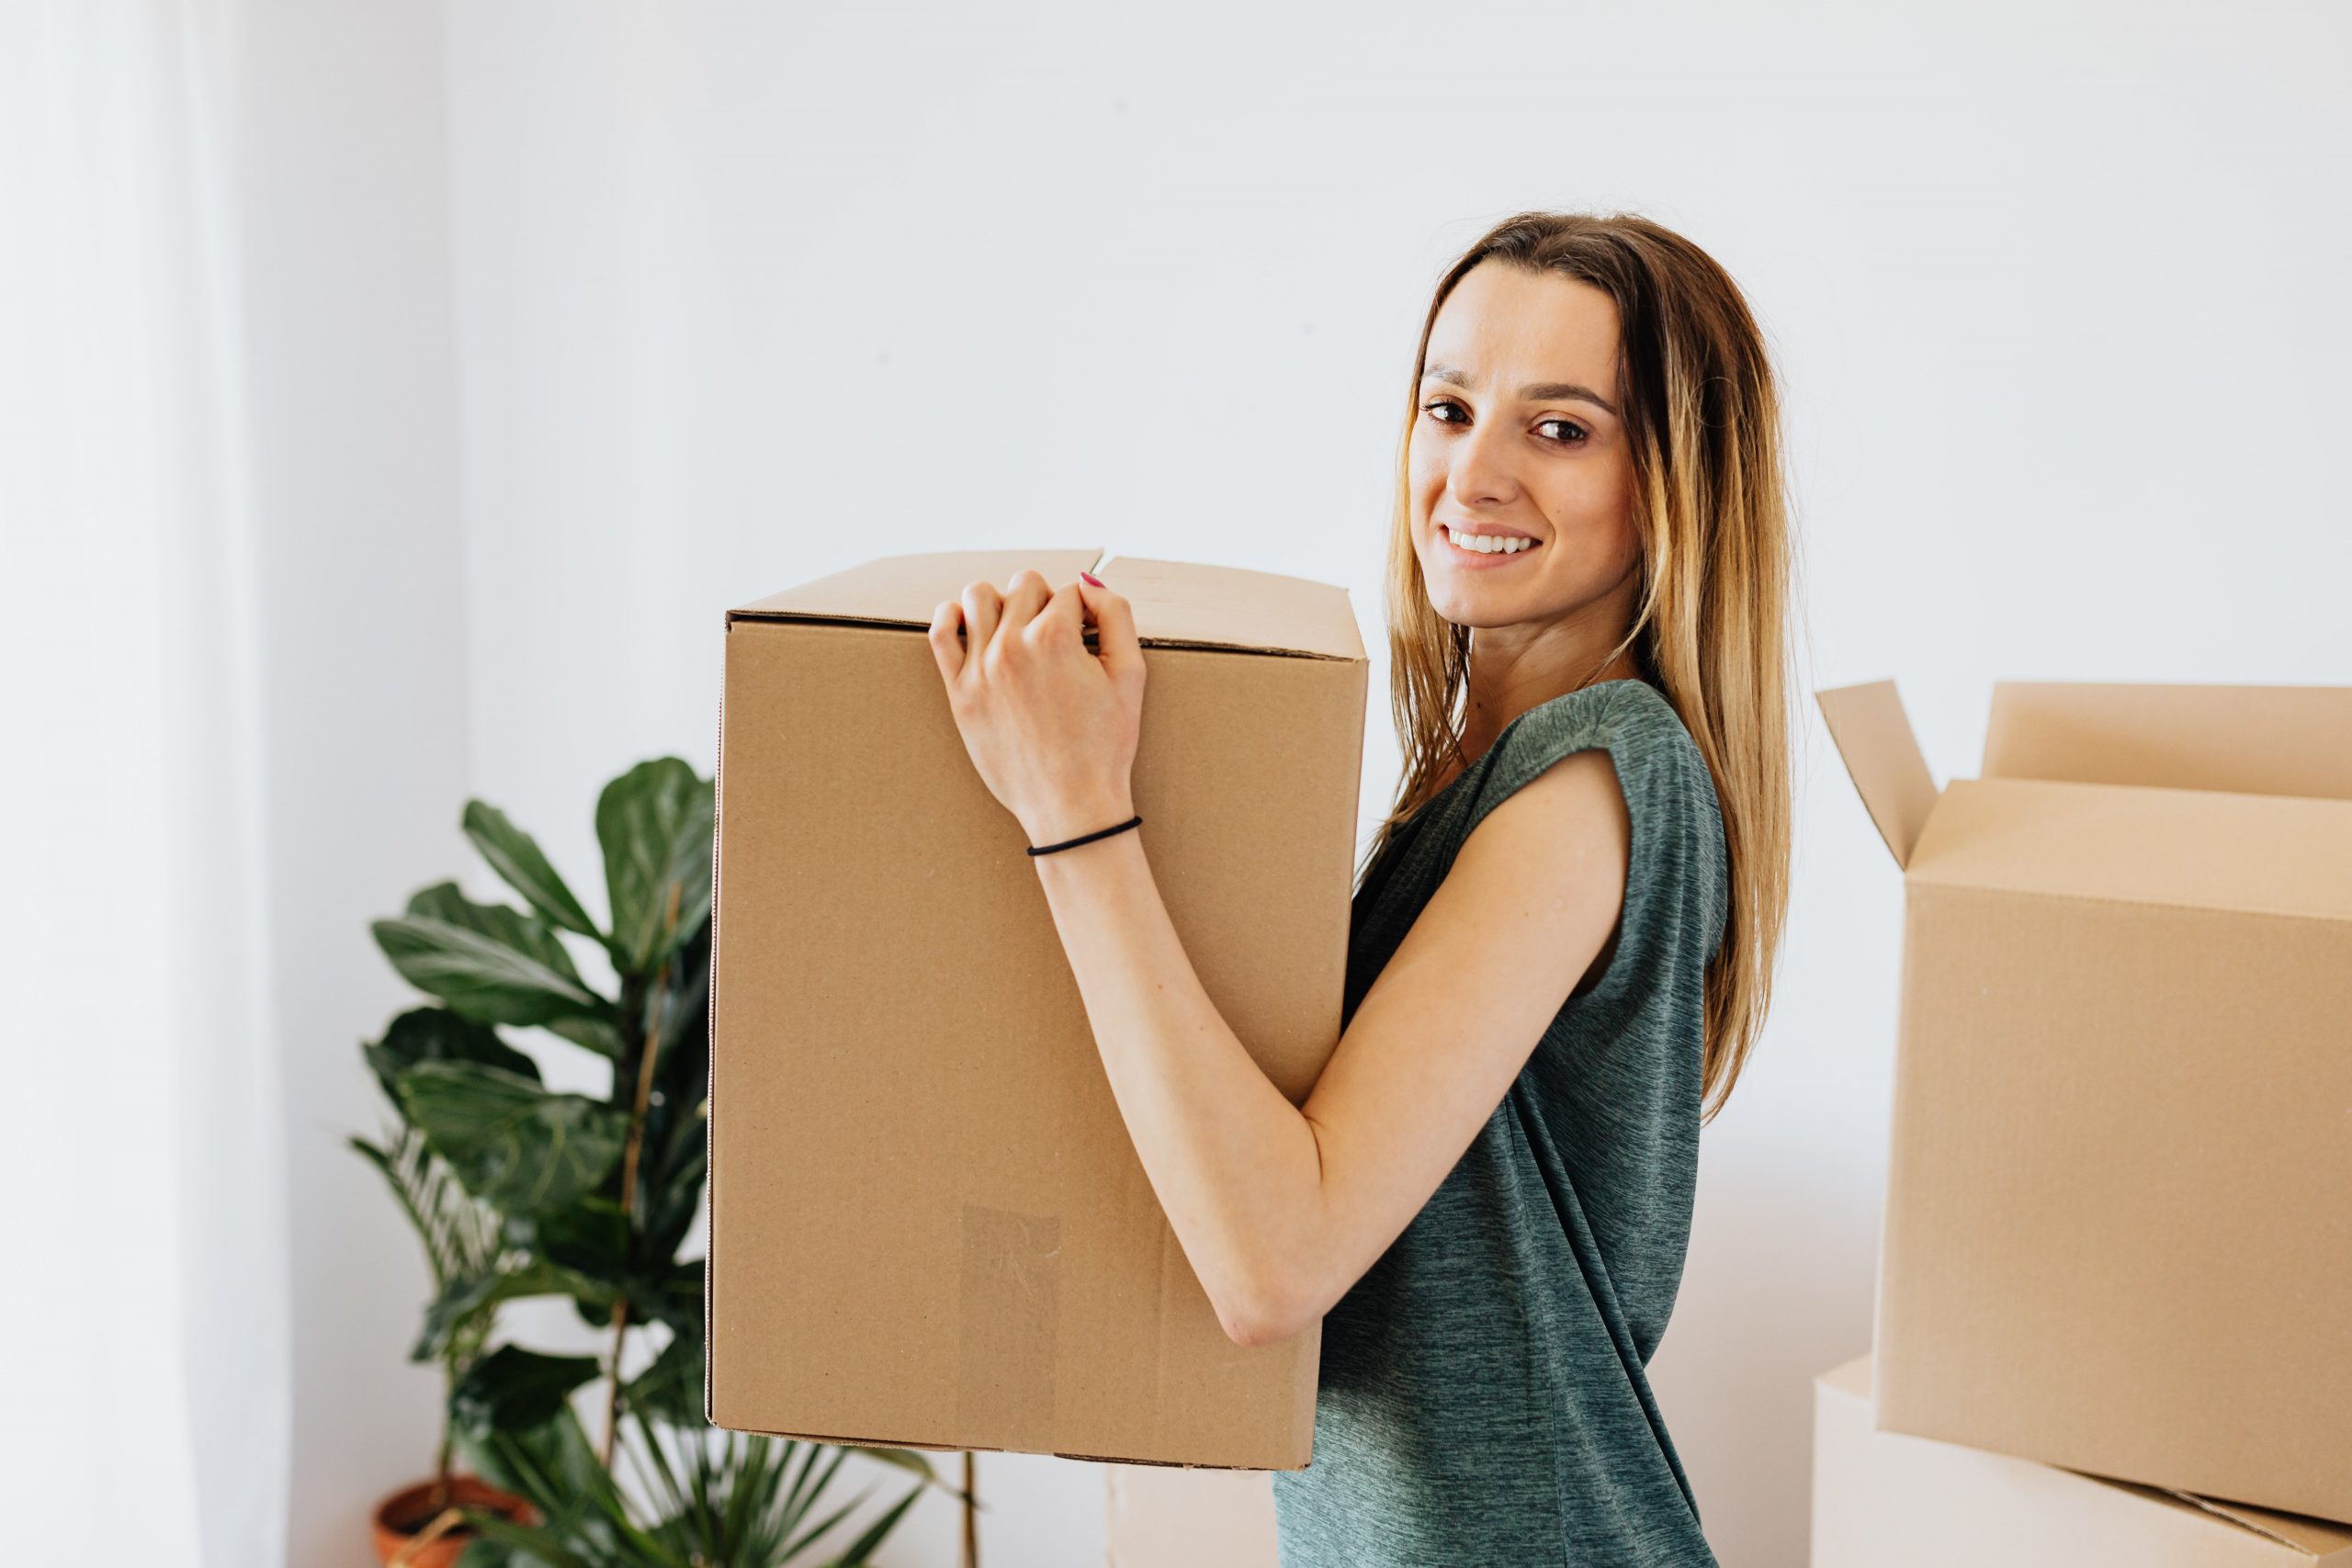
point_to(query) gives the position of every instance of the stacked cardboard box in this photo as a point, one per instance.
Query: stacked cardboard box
(1160, 1517)
(2118, 1236)
(929, 1227)
(1881, 1499)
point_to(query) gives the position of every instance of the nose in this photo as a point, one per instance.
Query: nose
(1480, 466)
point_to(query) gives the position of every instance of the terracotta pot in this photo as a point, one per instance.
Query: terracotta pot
(408, 1513)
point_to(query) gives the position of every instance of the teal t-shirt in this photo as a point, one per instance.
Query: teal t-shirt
(1482, 1398)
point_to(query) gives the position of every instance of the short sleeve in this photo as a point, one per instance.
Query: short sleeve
(1676, 880)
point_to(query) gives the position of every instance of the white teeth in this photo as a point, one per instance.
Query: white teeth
(1490, 544)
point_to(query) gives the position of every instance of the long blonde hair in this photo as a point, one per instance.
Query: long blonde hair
(1703, 418)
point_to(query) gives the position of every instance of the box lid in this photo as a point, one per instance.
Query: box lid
(1176, 604)
(2251, 740)
(2323, 1541)
(2291, 742)
(1883, 757)
(2197, 849)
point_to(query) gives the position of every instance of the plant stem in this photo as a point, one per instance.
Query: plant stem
(444, 1522)
(971, 1519)
(613, 1385)
(440, 1498)
(642, 1099)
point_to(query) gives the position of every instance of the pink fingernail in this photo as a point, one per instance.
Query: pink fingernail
(1091, 578)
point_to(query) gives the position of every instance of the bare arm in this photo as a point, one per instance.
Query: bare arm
(1281, 1209)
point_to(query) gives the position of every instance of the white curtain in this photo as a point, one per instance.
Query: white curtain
(147, 1412)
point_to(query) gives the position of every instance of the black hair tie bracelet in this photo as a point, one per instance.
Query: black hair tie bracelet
(1086, 839)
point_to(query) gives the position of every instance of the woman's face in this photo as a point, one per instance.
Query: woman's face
(1517, 437)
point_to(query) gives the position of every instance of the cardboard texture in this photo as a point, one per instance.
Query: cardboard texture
(2118, 1233)
(1881, 1498)
(929, 1227)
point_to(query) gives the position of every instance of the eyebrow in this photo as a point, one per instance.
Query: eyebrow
(1540, 391)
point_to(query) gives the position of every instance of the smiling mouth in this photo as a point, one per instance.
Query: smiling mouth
(1498, 546)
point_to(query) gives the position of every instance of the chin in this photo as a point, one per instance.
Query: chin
(1468, 606)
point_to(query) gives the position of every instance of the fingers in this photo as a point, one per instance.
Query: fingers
(963, 629)
(1064, 614)
(1025, 595)
(1115, 623)
(982, 609)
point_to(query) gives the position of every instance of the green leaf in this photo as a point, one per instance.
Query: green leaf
(513, 1388)
(598, 1034)
(676, 1297)
(671, 1294)
(516, 856)
(670, 1389)
(913, 1460)
(501, 1542)
(685, 1003)
(532, 938)
(468, 1296)
(654, 823)
(487, 977)
(437, 1034)
(861, 1550)
(794, 1546)
(550, 1465)
(591, 1236)
(513, 1144)
(587, 1521)
(673, 1191)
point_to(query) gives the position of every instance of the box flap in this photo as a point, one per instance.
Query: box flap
(1176, 604)
(2250, 739)
(905, 590)
(2252, 854)
(1187, 604)
(1883, 757)
(2317, 1538)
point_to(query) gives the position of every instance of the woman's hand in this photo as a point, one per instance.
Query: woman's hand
(1051, 727)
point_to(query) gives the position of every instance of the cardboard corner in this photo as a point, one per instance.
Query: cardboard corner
(1874, 740)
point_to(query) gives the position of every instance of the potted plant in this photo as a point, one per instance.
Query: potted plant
(421, 1526)
(520, 1191)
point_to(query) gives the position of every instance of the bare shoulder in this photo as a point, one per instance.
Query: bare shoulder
(1569, 815)
(1531, 901)
(1548, 866)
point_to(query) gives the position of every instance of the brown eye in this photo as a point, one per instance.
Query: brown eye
(1581, 435)
(1442, 403)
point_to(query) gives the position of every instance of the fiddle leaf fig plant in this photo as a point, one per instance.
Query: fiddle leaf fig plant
(519, 1191)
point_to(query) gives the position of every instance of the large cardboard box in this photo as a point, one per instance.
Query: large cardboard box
(1881, 1499)
(2118, 1233)
(929, 1227)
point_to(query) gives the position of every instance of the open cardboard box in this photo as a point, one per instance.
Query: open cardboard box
(1879, 1498)
(929, 1227)
(2118, 1233)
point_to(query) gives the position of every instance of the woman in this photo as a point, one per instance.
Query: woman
(1562, 941)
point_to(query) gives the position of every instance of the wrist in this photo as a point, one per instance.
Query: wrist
(1064, 824)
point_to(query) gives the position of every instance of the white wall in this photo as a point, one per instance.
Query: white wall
(342, 217)
(743, 295)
